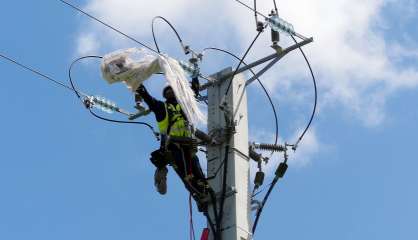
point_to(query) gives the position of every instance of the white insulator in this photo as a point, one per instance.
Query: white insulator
(103, 104)
(280, 25)
(190, 69)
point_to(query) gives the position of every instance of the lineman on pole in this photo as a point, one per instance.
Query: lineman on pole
(177, 147)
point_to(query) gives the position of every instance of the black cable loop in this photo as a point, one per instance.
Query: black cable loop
(122, 122)
(70, 70)
(171, 26)
(316, 94)
(90, 110)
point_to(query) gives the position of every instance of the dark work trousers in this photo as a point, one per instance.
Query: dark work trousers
(186, 163)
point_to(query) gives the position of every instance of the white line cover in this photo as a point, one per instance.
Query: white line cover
(133, 66)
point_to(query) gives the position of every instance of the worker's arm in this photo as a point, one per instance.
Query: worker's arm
(158, 107)
(195, 86)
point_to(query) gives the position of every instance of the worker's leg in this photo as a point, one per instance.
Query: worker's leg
(182, 165)
(158, 158)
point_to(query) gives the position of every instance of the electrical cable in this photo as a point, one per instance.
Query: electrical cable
(107, 25)
(255, 12)
(240, 62)
(70, 70)
(211, 225)
(171, 26)
(316, 94)
(260, 210)
(262, 86)
(36, 72)
(71, 89)
(275, 6)
(118, 121)
(245, 5)
(223, 194)
(262, 190)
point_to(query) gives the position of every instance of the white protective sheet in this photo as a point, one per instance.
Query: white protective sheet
(134, 66)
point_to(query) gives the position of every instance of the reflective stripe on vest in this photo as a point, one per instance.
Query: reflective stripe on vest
(174, 122)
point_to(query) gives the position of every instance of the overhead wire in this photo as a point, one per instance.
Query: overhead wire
(36, 72)
(71, 88)
(245, 5)
(107, 25)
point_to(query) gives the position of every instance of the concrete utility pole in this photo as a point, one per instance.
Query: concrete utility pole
(236, 222)
(236, 218)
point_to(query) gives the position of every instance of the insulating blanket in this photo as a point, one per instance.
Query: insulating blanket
(134, 66)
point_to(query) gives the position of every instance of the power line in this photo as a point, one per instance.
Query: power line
(245, 5)
(71, 88)
(36, 72)
(106, 24)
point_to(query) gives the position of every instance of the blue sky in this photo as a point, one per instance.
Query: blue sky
(65, 175)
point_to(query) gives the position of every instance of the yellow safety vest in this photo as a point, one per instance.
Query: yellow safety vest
(174, 122)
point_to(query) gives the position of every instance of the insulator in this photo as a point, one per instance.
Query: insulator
(269, 147)
(275, 36)
(103, 104)
(278, 24)
(191, 69)
(259, 179)
(281, 170)
(254, 155)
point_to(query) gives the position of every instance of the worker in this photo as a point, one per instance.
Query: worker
(177, 146)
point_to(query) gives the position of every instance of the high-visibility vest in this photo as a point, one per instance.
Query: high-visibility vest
(174, 122)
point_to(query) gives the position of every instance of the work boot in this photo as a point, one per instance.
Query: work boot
(160, 180)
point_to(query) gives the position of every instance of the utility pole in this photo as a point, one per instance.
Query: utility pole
(228, 126)
(236, 220)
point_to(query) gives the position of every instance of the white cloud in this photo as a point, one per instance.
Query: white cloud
(87, 44)
(355, 66)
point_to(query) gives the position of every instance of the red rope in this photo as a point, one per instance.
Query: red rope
(192, 234)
